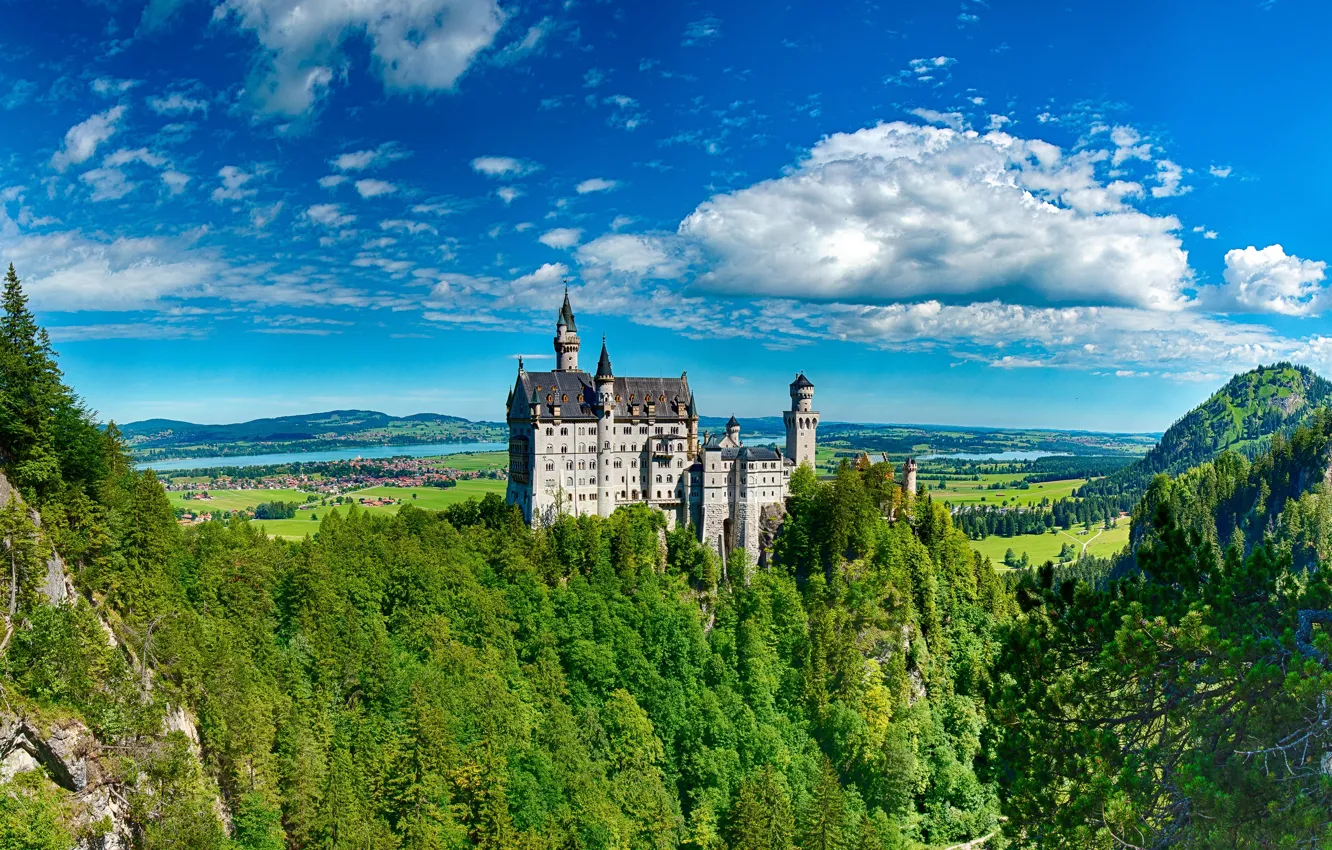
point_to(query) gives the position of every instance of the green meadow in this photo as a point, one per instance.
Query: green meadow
(428, 498)
(975, 492)
(1045, 547)
(234, 500)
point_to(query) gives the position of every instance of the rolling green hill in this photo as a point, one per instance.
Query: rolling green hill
(1241, 416)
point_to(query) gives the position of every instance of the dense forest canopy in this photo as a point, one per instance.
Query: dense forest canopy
(452, 679)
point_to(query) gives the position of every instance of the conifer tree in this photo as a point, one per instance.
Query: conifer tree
(761, 816)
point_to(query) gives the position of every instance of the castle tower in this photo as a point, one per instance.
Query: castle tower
(605, 382)
(733, 431)
(802, 422)
(909, 478)
(566, 339)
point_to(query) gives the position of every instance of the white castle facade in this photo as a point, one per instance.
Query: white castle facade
(586, 444)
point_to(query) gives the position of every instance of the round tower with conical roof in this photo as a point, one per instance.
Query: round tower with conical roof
(802, 422)
(566, 338)
(605, 383)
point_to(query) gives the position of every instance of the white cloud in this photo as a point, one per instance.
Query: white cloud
(107, 86)
(175, 181)
(82, 139)
(505, 167)
(701, 31)
(529, 43)
(374, 188)
(261, 217)
(414, 44)
(233, 186)
(898, 211)
(561, 237)
(374, 158)
(407, 226)
(1268, 280)
(923, 70)
(596, 184)
(948, 119)
(176, 103)
(1221, 171)
(638, 256)
(142, 155)
(330, 181)
(329, 215)
(108, 184)
(507, 194)
(1126, 141)
(1169, 175)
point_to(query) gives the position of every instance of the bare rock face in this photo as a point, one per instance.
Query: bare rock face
(771, 518)
(57, 588)
(67, 752)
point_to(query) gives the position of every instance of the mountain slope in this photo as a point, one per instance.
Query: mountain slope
(1241, 416)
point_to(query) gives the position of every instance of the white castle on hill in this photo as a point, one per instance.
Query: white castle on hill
(585, 444)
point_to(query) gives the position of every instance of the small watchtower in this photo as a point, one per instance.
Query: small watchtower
(802, 422)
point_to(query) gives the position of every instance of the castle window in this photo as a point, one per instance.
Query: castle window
(635, 494)
(642, 429)
(565, 398)
(564, 449)
(570, 480)
(550, 432)
(564, 432)
(659, 430)
(679, 463)
(633, 463)
(581, 448)
(568, 464)
(621, 446)
(550, 466)
(669, 479)
(679, 447)
(608, 445)
(658, 479)
(617, 463)
(549, 448)
(582, 465)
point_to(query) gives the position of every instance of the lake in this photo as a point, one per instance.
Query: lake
(998, 456)
(366, 452)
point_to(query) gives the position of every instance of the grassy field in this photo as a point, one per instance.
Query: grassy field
(234, 500)
(429, 498)
(1045, 547)
(974, 492)
(470, 461)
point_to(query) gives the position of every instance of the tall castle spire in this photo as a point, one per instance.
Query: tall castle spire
(566, 338)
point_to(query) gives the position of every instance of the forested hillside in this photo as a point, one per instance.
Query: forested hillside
(453, 679)
(1242, 416)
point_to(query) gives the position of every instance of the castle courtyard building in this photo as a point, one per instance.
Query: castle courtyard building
(584, 443)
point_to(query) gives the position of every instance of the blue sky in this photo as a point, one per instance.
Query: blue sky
(1041, 214)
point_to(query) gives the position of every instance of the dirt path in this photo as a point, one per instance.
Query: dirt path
(1079, 542)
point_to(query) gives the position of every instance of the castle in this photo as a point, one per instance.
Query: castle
(585, 444)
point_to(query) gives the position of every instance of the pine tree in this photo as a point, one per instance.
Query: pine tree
(30, 391)
(825, 813)
(761, 817)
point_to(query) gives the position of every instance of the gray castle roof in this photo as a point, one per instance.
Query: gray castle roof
(801, 381)
(566, 316)
(669, 395)
(604, 364)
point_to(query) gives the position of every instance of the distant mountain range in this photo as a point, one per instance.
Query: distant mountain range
(1242, 416)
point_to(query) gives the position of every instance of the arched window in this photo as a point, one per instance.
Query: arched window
(582, 464)
(549, 432)
(669, 479)
(564, 449)
(608, 445)
(621, 446)
(633, 463)
(550, 466)
(570, 480)
(564, 432)
(549, 448)
(679, 463)
(568, 464)
(581, 448)
(618, 463)
(658, 479)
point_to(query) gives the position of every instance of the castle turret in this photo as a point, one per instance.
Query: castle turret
(605, 382)
(566, 339)
(909, 478)
(802, 421)
(733, 431)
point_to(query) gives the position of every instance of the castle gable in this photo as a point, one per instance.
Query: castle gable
(576, 396)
